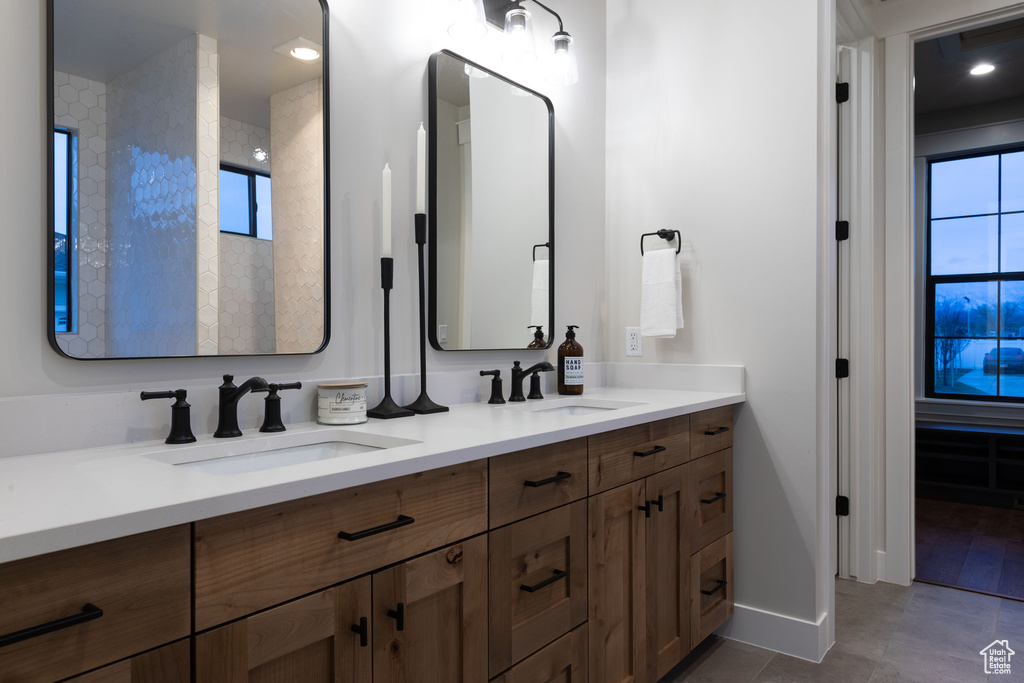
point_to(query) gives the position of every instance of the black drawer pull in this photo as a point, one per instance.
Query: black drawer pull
(720, 586)
(363, 631)
(399, 616)
(660, 503)
(401, 521)
(550, 480)
(88, 613)
(559, 574)
(715, 432)
(644, 454)
(646, 508)
(709, 501)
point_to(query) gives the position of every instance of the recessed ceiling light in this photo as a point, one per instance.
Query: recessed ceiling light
(982, 69)
(302, 49)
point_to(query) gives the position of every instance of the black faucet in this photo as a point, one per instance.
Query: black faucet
(518, 374)
(227, 421)
(181, 427)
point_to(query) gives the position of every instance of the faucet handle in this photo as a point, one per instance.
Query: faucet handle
(496, 393)
(535, 384)
(272, 405)
(181, 419)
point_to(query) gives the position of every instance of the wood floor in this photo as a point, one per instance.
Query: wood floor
(971, 547)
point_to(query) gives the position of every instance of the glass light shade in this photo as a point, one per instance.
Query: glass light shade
(563, 65)
(519, 45)
(468, 20)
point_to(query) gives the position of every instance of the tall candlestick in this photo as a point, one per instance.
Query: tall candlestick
(385, 249)
(421, 170)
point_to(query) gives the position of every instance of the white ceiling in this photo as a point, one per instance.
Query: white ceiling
(102, 39)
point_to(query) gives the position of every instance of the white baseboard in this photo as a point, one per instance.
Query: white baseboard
(779, 632)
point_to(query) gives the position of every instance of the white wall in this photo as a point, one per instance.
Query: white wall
(713, 130)
(378, 63)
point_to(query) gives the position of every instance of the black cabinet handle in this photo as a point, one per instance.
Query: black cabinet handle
(550, 480)
(720, 586)
(400, 522)
(399, 616)
(644, 454)
(559, 574)
(660, 503)
(88, 613)
(363, 631)
(646, 507)
(709, 501)
(715, 432)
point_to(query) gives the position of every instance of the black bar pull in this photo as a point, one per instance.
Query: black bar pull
(559, 574)
(842, 506)
(88, 613)
(646, 507)
(550, 480)
(644, 454)
(402, 520)
(715, 432)
(363, 630)
(842, 92)
(718, 496)
(399, 616)
(720, 586)
(660, 503)
(842, 231)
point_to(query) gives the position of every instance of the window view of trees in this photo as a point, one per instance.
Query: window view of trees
(975, 282)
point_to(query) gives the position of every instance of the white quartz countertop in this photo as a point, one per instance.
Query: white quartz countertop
(66, 499)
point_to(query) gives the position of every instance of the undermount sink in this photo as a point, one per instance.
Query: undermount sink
(267, 452)
(574, 406)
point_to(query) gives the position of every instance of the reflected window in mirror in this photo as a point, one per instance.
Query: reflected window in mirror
(246, 206)
(64, 163)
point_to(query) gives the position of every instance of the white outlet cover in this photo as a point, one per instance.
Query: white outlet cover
(634, 342)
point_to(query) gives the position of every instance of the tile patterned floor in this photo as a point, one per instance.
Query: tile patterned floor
(884, 634)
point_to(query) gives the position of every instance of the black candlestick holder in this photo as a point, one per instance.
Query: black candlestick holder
(423, 405)
(387, 408)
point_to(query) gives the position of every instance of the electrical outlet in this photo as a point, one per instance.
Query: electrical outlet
(442, 334)
(634, 345)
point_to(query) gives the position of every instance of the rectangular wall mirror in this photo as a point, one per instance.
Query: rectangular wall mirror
(188, 193)
(491, 213)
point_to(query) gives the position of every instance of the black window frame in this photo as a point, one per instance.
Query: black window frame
(251, 175)
(998, 277)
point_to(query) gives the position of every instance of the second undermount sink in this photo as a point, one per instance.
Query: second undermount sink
(574, 406)
(272, 451)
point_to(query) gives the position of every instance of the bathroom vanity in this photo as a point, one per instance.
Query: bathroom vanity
(537, 542)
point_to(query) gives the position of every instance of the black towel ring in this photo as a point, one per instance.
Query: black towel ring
(664, 234)
(546, 244)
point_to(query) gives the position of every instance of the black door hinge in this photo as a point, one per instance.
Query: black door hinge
(842, 230)
(842, 506)
(842, 368)
(842, 92)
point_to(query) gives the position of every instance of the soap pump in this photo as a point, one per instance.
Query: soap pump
(538, 338)
(570, 364)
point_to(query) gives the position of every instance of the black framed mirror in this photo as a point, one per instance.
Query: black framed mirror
(189, 174)
(491, 211)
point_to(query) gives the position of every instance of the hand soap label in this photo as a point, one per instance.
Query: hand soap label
(573, 370)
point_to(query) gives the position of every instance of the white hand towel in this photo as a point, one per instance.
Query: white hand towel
(539, 294)
(661, 294)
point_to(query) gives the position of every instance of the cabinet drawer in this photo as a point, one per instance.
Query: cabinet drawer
(563, 661)
(168, 664)
(254, 559)
(710, 498)
(711, 588)
(140, 583)
(537, 582)
(710, 431)
(626, 455)
(532, 481)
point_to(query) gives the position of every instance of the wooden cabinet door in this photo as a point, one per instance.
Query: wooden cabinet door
(309, 640)
(167, 664)
(563, 661)
(430, 617)
(617, 591)
(668, 570)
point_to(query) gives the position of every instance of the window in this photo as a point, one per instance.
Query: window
(245, 204)
(63, 230)
(975, 279)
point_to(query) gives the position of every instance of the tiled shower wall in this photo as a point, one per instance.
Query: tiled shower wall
(296, 147)
(151, 292)
(207, 87)
(246, 263)
(81, 105)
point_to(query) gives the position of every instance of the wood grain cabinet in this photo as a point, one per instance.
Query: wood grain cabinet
(167, 664)
(72, 611)
(563, 661)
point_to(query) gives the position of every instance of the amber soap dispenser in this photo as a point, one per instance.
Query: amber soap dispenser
(570, 364)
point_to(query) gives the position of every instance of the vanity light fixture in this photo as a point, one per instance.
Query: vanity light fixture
(519, 30)
(982, 69)
(302, 49)
(519, 45)
(469, 20)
